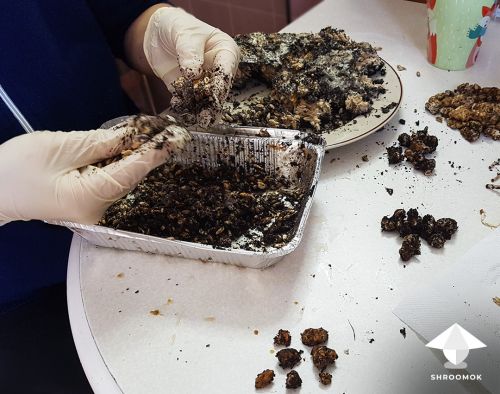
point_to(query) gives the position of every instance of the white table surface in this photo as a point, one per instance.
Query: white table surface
(345, 270)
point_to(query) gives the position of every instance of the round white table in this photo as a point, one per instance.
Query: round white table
(214, 326)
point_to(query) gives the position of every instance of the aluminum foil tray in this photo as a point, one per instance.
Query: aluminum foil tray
(275, 149)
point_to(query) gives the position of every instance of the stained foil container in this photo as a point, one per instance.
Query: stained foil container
(274, 149)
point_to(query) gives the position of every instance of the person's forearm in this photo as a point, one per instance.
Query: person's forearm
(134, 41)
(62, 168)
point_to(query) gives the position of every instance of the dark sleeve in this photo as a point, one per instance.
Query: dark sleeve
(115, 16)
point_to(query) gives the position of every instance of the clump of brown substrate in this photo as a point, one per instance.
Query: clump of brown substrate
(288, 358)
(318, 81)
(264, 378)
(200, 100)
(283, 338)
(293, 380)
(411, 227)
(471, 109)
(141, 129)
(314, 336)
(416, 146)
(211, 206)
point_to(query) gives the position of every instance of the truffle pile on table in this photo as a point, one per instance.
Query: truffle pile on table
(322, 357)
(469, 108)
(215, 206)
(411, 227)
(416, 145)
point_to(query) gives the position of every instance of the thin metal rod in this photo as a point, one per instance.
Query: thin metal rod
(15, 111)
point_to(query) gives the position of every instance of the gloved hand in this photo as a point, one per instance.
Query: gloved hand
(49, 175)
(176, 43)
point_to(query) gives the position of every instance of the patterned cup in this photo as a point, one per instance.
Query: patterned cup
(455, 31)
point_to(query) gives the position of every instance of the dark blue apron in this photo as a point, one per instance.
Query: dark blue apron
(56, 66)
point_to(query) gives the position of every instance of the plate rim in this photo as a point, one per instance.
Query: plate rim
(378, 126)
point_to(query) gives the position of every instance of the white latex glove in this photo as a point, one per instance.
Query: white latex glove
(48, 175)
(176, 43)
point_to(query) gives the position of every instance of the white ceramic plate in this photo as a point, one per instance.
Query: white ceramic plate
(360, 126)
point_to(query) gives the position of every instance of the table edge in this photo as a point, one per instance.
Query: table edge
(100, 378)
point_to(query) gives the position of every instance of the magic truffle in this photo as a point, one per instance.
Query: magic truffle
(470, 108)
(323, 356)
(410, 247)
(288, 358)
(416, 146)
(217, 206)
(314, 336)
(395, 154)
(293, 380)
(283, 338)
(325, 378)
(411, 227)
(393, 222)
(264, 378)
(317, 80)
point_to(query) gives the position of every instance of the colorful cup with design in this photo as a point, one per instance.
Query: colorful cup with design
(456, 29)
